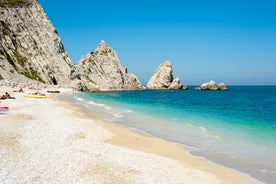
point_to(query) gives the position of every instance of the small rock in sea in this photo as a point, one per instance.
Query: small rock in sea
(212, 85)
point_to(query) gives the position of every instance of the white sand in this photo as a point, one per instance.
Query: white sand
(43, 141)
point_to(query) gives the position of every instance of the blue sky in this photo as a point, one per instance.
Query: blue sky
(230, 41)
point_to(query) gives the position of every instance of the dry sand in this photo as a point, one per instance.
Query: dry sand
(49, 141)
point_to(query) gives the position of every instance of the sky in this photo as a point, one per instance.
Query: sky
(230, 41)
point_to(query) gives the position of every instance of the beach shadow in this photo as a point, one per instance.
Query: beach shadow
(4, 113)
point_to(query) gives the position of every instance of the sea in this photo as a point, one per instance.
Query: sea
(234, 128)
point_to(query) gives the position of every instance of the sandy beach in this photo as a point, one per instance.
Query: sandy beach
(52, 141)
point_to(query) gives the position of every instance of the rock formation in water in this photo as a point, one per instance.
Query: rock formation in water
(163, 78)
(212, 85)
(31, 50)
(101, 71)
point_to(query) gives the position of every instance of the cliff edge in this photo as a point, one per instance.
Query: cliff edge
(31, 50)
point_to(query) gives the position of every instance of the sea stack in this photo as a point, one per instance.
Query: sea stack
(163, 78)
(212, 85)
(101, 71)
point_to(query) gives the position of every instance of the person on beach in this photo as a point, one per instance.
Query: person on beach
(7, 96)
(37, 93)
(20, 90)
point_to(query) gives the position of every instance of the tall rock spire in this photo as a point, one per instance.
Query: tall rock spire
(101, 70)
(163, 78)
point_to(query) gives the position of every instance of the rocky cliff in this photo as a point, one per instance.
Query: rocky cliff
(212, 85)
(30, 47)
(101, 71)
(32, 54)
(163, 78)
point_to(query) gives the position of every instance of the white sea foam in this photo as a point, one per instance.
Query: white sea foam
(90, 102)
(99, 105)
(268, 171)
(202, 129)
(117, 115)
(79, 99)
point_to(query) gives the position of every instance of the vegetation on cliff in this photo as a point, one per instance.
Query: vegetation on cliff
(25, 68)
(15, 3)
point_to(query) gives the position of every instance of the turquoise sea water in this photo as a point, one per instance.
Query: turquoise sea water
(235, 128)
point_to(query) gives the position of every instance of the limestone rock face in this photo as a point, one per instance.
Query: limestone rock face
(212, 85)
(185, 87)
(101, 71)
(32, 55)
(30, 48)
(222, 86)
(175, 84)
(163, 78)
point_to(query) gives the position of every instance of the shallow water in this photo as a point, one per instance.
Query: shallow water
(235, 128)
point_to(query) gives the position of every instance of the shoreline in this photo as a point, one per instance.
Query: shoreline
(88, 137)
(140, 141)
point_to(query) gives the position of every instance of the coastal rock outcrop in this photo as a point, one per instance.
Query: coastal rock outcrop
(212, 85)
(31, 50)
(32, 55)
(101, 71)
(163, 78)
(175, 84)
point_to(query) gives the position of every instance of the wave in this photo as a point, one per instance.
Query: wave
(91, 102)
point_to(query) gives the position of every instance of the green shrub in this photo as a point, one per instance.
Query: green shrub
(20, 59)
(15, 3)
(8, 57)
(33, 76)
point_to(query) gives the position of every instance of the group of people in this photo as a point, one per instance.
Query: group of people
(7, 96)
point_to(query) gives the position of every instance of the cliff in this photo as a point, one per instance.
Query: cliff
(32, 54)
(30, 47)
(101, 71)
(163, 78)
